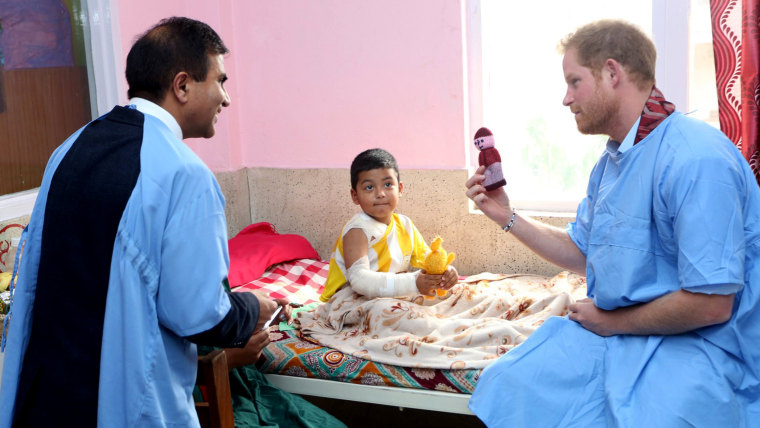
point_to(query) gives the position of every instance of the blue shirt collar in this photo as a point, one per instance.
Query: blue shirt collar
(614, 147)
(148, 107)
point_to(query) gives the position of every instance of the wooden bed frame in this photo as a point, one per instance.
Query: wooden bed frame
(414, 398)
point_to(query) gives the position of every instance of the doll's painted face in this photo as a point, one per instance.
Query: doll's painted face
(484, 142)
(377, 192)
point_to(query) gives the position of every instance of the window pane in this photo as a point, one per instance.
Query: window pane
(703, 92)
(546, 160)
(44, 93)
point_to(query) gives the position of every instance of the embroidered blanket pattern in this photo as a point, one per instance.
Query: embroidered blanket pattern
(482, 318)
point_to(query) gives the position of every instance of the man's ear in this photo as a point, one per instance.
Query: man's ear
(354, 196)
(180, 86)
(612, 70)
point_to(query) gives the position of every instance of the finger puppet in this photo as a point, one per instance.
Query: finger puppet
(489, 157)
(436, 262)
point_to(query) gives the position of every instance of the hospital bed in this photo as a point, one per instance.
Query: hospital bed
(303, 367)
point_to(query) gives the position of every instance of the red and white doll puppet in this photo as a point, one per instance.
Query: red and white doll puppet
(489, 157)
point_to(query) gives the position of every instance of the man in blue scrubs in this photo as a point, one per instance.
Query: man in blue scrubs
(125, 254)
(668, 237)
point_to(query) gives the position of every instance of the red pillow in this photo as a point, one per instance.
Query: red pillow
(259, 246)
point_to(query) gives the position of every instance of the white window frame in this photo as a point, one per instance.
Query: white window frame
(670, 33)
(104, 48)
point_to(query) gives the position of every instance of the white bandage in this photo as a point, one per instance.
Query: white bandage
(369, 283)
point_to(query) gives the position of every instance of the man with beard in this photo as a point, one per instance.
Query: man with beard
(668, 237)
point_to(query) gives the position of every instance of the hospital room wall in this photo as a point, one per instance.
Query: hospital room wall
(313, 84)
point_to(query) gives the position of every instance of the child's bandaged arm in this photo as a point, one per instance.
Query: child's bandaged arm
(367, 282)
(364, 280)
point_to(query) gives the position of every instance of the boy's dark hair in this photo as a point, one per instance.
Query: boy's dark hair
(372, 159)
(173, 45)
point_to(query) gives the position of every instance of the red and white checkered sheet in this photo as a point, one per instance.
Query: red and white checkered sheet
(299, 281)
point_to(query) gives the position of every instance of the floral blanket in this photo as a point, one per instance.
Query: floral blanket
(482, 318)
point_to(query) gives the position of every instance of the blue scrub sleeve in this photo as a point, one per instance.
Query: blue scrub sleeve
(704, 199)
(724, 289)
(194, 262)
(579, 230)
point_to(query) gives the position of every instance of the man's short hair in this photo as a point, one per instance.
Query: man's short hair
(372, 159)
(598, 41)
(173, 45)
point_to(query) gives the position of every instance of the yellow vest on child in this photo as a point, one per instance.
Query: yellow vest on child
(392, 248)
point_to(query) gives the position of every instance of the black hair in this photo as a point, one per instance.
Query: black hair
(173, 45)
(372, 159)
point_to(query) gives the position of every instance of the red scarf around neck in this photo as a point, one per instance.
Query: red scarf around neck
(655, 111)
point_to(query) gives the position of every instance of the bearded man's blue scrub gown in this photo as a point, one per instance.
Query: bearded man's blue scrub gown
(679, 210)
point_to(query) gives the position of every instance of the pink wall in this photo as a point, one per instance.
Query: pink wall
(315, 82)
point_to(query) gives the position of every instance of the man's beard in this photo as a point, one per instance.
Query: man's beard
(596, 116)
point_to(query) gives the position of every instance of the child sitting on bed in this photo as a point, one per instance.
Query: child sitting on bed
(377, 247)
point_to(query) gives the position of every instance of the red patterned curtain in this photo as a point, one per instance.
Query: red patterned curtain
(736, 42)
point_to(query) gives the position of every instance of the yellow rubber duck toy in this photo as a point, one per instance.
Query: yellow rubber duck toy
(436, 263)
(5, 280)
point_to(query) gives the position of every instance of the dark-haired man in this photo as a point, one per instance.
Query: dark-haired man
(668, 237)
(125, 254)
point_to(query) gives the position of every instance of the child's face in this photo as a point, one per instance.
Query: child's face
(377, 192)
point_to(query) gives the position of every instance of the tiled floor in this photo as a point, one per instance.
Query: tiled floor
(364, 415)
